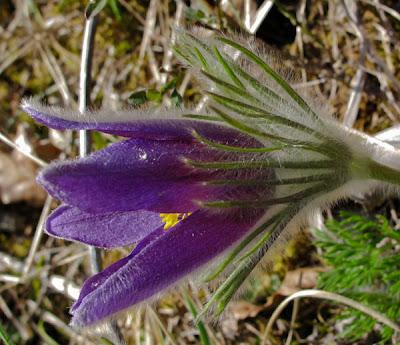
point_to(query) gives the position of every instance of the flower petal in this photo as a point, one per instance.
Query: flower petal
(135, 123)
(137, 174)
(160, 262)
(96, 280)
(107, 230)
(130, 175)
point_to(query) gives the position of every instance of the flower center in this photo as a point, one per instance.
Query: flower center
(171, 219)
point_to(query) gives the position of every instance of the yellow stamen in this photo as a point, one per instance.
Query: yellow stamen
(171, 219)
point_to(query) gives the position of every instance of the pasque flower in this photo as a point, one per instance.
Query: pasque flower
(241, 175)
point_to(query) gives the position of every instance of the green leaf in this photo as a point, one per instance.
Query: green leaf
(273, 182)
(99, 141)
(204, 338)
(194, 15)
(274, 75)
(169, 85)
(94, 8)
(45, 336)
(138, 98)
(228, 69)
(271, 163)
(230, 148)
(266, 93)
(202, 117)
(176, 98)
(227, 289)
(364, 268)
(201, 58)
(4, 336)
(231, 89)
(154, 95)
(241, 108)
(239, 124)
(184, 55)
(105, 341)
(115, 9)
(243, 244)
(250, 110)
(306, 193)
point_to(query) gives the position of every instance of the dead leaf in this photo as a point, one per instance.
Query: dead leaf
(242, 310)
(299, 279)
(17, 180)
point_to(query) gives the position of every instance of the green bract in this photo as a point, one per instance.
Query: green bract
(317, 160)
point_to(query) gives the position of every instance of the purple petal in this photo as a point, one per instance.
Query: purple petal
(130, 175)
(160, 262)
(94, 281)
(139, 174)
(107, 230)
(135, 123)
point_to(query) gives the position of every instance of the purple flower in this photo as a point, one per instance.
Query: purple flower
(114, 197)
(246, 172)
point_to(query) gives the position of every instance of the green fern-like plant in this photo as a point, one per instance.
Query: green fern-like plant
(364, 255)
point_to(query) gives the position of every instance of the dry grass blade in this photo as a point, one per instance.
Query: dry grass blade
(23, 329)
(56, 73)
(38, 235)
(383, 7)
(22, 150)
(358, 81)
(15, 55)
(148, 31)
(261, 13)
(157, 319)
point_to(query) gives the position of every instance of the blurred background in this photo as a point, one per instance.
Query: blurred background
(347, 49)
